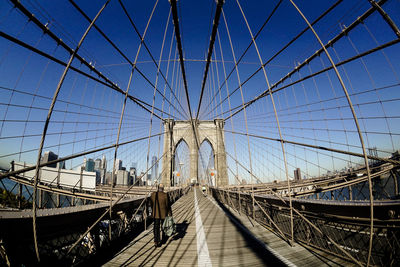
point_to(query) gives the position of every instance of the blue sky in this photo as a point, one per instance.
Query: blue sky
(313, 112)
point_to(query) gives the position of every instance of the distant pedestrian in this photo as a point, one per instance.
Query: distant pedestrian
(204, 190)
(160, 208)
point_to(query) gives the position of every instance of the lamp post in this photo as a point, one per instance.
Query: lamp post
(176, 175)
(213, 174)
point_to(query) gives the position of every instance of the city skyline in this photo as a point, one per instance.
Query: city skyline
(310, 103)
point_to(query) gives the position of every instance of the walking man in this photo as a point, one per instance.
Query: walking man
(160, 208)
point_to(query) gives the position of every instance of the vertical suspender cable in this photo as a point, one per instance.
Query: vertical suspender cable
(60, 83)
(230, 112)
(371, 197)
(276, 118)
(244, 109)
(155, 88)
(122, 116)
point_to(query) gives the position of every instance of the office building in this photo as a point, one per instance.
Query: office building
(89, 165)
(297, 174)
(122, 177)
(132, 175)
(49, 156)
(97, 164)
(154, 168)
(103, 162)
(118, 165)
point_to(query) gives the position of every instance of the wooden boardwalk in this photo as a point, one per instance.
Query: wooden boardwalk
(219, 242)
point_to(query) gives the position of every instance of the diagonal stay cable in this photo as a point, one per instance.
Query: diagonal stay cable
(371, 197)
(210, 51)
(136, 100)
(266, 92)
(77, 155)
(330, 43)
(360, 155)
(181, 60)
(285, 46)
(134, 66)
(151, 55)
(248, 47)
(179, 45)
(61, 43)
(56, 93)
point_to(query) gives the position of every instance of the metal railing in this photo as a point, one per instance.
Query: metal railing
(62, 232)
(336, 227)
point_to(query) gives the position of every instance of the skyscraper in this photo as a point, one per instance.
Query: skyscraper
(118, 165)
(49, 156)
(104, 162)
(132, 174)
(97, 164)
(297, 174)
(154, 168)
(89, 165)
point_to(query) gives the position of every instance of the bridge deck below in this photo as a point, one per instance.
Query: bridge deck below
(204, 237)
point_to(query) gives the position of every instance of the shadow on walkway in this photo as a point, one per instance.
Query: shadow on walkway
(180, 230)
(260, 249)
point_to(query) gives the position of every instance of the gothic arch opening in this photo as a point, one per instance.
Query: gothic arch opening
(211, 135)
(181, 163)
(206, 169)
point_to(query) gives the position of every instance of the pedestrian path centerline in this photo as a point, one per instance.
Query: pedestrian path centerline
(203, 256)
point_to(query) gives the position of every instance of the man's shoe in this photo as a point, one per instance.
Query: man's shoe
(156, 244)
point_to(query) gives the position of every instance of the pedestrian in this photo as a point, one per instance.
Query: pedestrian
(160, 208)
(204, 190)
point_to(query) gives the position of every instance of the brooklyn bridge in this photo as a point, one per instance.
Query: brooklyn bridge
(274, 127)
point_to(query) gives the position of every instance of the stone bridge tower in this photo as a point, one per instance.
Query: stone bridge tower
(181, 131)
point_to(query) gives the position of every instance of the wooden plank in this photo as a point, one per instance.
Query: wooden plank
(228, 245)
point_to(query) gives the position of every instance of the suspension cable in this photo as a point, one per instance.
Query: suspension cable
(284, 47)
(218, 10)
(61, 43)
(276, 118)
(181, 59)
(47, 123)
(266, 92)
(150, 54)
(250, 44)
(356, 124)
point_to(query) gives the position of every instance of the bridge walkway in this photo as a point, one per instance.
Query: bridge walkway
(206, 236)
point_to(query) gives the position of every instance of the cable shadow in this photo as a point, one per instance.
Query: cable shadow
(259, 249)
(180, 212)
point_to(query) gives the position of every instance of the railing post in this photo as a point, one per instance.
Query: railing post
(80, 179)
(20, 186)
(240, 202)
(58, 201)
(350, 193)
(58, 177)
(252, 197)
(40, 198)
(396, 186)
(145, 216)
